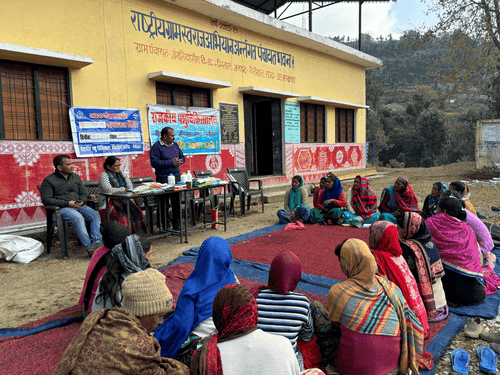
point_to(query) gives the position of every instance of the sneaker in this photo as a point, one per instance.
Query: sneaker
(92, 248)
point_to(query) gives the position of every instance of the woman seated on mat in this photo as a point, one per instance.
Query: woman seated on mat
(332, 196)
(431, 201)
(295, 203)
(362, 200)
(193, 313)
(322, 185)
(464, 190)
(397, 199)
(424, 262)
(384, 244)
(281, 311)
(379, 333)
(465, 281)
(113, 233)
(239, 347)
(133, 255)
(482, 233)
(112, 180)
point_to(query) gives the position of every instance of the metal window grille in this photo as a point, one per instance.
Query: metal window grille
(169, 94)
(34, 102)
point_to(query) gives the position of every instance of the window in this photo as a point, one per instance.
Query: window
(312, 123)
(344, 125)
(34, 102)
(169, 94)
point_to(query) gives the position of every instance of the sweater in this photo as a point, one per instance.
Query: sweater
(162, 159)
(105, 187)
(56, 190)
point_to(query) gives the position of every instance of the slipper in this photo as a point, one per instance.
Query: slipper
(460, 361)
(493, 208)
(474, 328)
(487, 359)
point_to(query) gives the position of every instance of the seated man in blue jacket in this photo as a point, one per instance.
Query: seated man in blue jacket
(65, 189)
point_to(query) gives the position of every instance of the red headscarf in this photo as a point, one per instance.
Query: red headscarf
(235, 314)
(407, 200)
(384, 243)
(284, 274)
(364, 200)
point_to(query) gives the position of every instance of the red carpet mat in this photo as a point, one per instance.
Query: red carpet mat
(314, 246)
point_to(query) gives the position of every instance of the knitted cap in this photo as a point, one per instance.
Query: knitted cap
(113, 233)
(145, 293)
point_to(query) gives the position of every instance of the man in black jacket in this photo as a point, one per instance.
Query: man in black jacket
(65, 189)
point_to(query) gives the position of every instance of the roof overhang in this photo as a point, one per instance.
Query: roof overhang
(184, 79)
(336, 103)
(262, 91)
(42, 56)
(239, 15)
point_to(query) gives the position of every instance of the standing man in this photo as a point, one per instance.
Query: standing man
(166, 156)
(65, 189)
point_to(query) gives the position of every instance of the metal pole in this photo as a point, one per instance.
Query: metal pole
(275, 10)
(359, 39)
(310, 16)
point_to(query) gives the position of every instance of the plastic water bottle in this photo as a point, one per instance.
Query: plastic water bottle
(183, 177)
(171, 179)
(189, 179)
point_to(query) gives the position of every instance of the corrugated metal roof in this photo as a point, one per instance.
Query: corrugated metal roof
(268, 6)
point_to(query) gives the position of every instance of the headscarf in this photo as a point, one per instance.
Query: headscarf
(333, 193)
(417, 237)
(353, 304)
(235, 315)
(404, 201)
(132, 259)
(459, 250)
(294, 198)
(433, 201)
(384, 244)
(284, 274)
(194, 304)
(364, 200)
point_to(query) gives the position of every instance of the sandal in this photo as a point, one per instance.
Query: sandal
(487, 359)
(460, 361)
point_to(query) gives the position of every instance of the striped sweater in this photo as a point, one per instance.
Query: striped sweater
(287, 315)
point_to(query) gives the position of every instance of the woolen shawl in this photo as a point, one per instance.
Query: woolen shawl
(460, 251)
(211, 273)
(404, 201)
(333, 193)
(364, 200)
(364, 302)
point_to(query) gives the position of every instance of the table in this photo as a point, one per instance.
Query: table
(183, 228)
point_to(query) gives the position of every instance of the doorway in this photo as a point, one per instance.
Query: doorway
(263, 135)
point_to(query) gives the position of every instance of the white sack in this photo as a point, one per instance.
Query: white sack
(19, 249)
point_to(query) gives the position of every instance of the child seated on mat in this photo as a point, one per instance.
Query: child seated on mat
(296, 208)
(316, 202)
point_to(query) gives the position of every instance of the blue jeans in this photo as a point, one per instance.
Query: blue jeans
(77, 217)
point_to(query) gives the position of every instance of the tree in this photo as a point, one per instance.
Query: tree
(432, 137)
(469, 32)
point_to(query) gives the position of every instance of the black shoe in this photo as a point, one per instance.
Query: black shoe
(92, 248)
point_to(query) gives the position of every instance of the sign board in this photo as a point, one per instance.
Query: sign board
(292, 122)
(229, 123)
(106, 131)
(488, 144)
(197, 130)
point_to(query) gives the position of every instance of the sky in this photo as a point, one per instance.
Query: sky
(377, 18)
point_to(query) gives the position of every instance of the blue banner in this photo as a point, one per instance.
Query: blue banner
(106, 131)
(197, 130)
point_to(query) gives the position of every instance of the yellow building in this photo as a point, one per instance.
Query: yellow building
(292, 102)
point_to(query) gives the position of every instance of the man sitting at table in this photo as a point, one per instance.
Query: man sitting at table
(65, 189)
(166, 156)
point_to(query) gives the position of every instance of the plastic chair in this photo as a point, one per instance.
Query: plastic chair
(62, 228)
(240, 186)
(208, 193)
(150, 204)
(92, 193)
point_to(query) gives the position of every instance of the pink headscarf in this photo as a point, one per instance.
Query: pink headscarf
(284, 274)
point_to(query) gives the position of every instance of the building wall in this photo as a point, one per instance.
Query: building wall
(123, 55)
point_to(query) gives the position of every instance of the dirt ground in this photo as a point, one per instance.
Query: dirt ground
(49, 283)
